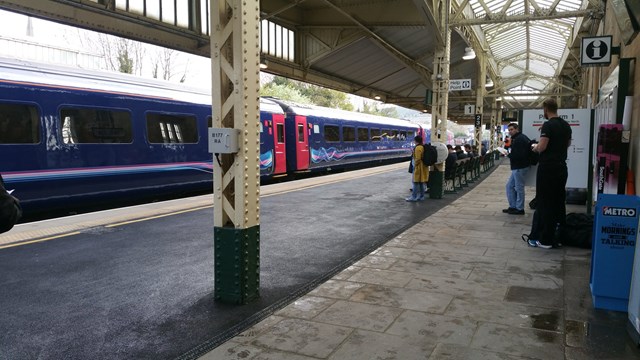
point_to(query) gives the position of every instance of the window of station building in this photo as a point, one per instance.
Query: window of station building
(277, 40)
(171, 129)
(331, 133)
(95, 126)
(363, 134)
(280, 133)
(300, 133)
(171, 12)
(19, 124)
(348, 133)
(375, 135)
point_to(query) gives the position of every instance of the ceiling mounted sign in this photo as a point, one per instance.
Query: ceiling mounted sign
(596, 51)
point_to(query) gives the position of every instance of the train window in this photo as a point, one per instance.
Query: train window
(95, 126)
(393, 135)
(403, 135)
(375, 135)
(209, 121)
(300, 133)
(363, 134)
(331, 133)
(386, 133)
(171, 129)
(348, 133)
(19, 124)
(411, 135)
(280, 133)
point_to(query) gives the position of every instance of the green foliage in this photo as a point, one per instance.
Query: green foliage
(125, 62)
(287, 89)
(372, 108)
(283, 92)
(460, 134)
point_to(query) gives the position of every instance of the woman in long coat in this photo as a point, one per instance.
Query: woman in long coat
(420, 172)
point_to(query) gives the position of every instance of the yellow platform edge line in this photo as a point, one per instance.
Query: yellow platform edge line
(38, 240)
(158, 216)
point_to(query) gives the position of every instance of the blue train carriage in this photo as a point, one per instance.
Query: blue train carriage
(273, 161)
(71, 138)
(327, 139)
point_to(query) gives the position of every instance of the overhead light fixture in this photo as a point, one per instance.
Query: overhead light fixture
(263, 62)
(469, 54)
(488, 83)
(377, 97)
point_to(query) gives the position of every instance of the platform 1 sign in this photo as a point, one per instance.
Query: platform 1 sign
(459, 84)
(577, 154)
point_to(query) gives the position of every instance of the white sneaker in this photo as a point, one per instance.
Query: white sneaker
(539, 244)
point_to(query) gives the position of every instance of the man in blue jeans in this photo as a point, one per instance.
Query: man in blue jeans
(519, 156)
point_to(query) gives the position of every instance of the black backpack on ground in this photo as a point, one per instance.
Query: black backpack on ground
(577, 231)
(429, 155)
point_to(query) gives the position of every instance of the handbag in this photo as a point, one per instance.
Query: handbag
(10, 211)
(411, 167)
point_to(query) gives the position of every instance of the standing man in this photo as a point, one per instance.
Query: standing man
(551, 179)
(519, 156)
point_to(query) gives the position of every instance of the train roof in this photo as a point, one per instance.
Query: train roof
(118, 83)
(338, 114)
(83, 79)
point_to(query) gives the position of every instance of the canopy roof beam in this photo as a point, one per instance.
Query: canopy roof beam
(499, 18)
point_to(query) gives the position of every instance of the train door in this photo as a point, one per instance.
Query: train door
(280, 156)
(302, 143)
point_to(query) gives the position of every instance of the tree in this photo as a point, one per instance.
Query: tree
(119, 54)
(284, 92)
(306, 93)
(372, 108)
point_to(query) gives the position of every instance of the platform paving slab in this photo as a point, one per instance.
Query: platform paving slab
(459, 285)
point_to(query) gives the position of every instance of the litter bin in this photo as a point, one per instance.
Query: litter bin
(436, 182)
(614, 242)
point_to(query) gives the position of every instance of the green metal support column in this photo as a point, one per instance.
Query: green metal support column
(439, 114)
(480, 92)
(494, 125)
(499, 121)
(235, 56)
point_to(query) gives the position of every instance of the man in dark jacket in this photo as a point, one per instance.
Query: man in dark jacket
(551, 179)
(519, 156)
(450, 162)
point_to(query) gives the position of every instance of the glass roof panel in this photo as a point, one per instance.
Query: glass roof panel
(526, 49)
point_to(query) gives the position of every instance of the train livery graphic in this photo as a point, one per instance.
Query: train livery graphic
(71, 138)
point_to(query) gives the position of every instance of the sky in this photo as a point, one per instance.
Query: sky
(47, 32)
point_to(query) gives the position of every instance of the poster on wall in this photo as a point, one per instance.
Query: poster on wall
(577, 153)
(608, 153)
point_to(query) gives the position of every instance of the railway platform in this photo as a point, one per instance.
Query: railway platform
(440, 279)
(461, 284)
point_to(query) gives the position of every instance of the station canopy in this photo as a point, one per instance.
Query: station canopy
(530, 55)
(380, 49)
